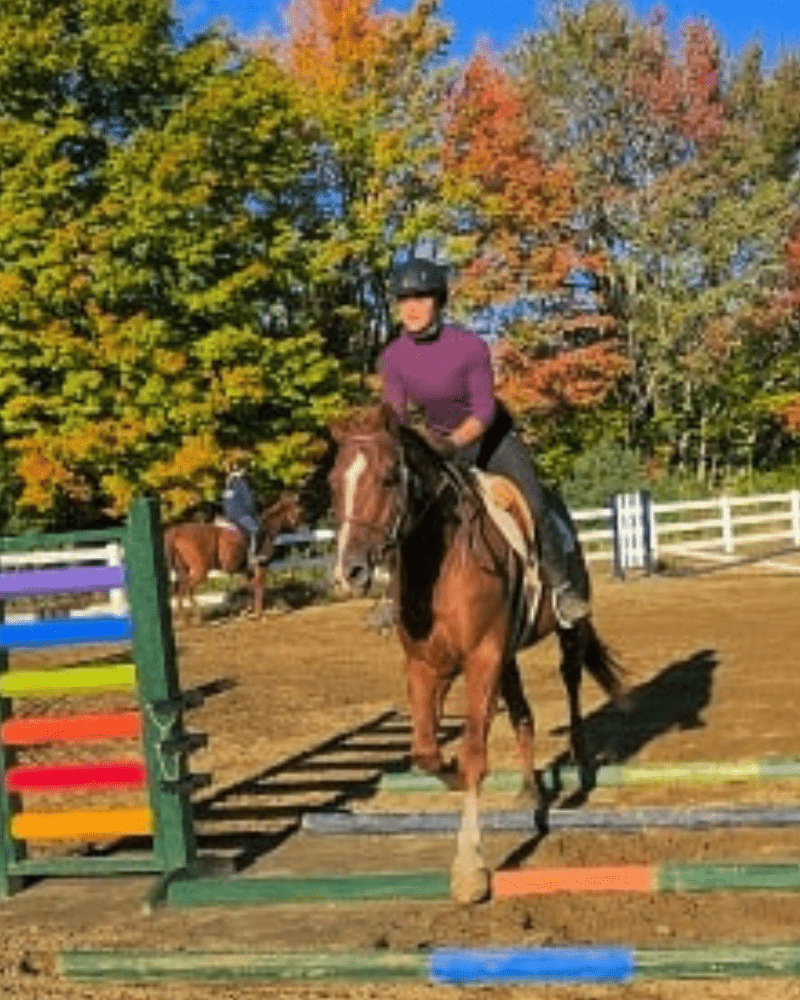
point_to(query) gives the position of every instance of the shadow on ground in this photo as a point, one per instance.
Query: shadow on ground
(251, 818)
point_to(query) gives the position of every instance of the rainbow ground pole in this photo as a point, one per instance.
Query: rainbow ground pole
(159, 777)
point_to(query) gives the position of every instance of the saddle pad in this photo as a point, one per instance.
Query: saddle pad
(223, 522)
(506, 505)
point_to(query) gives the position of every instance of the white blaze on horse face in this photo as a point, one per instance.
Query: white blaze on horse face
(351, 478)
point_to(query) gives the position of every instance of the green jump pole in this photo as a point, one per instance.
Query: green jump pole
(456, 966)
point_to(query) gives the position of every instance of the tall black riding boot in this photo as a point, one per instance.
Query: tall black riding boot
(556, 544)
(557, 538)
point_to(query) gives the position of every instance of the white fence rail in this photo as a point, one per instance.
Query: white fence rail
(723, 529)
(104, 555)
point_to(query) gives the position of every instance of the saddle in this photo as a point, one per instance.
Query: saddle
(506, 505)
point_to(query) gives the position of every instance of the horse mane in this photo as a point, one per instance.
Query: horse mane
(370, 419)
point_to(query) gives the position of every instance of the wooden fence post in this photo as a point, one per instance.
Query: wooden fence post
(727, 524)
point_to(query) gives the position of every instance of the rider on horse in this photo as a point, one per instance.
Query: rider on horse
(446, 370)
(238, 506)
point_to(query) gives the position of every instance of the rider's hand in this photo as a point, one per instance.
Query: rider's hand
(442, 444)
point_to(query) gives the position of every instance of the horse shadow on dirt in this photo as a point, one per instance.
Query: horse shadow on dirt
(246, 820)
(268, 807)
(674, 699)
(253, 817)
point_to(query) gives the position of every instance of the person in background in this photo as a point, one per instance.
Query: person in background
(446, 371)
(238, 506)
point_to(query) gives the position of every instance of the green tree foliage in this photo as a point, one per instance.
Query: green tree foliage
(372, 87)
(151, 268)
(686, 182)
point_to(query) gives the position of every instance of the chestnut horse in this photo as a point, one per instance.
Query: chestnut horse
(194, 548)
(455, 581)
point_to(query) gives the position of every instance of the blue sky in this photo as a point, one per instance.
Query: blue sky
(776, 23)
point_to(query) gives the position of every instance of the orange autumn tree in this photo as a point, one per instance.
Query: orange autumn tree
(507, 206)
(511, 214)
(371, 86)
(787, 403)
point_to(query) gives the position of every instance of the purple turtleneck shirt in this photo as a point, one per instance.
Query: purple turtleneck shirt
(451, 378)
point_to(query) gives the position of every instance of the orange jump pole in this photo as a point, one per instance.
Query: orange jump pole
(70, 729)
(82, 824)
(532, 881)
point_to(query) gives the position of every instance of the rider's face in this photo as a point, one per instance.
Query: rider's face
(417, 313)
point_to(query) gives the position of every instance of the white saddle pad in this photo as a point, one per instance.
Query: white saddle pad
(499, 495)
(223, 522)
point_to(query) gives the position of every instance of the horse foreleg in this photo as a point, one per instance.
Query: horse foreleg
(259, 575)
(188, 606)
(427, 688)
(193, 581)
(521, 718)
(180, 592)
(470, 880)
(469, 875)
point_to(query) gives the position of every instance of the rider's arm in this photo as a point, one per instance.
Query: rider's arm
(469, 430)
(480, 382)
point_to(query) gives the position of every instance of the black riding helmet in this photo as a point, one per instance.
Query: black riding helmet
(417, 277)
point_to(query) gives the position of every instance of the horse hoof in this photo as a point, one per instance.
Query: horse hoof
(469, 885)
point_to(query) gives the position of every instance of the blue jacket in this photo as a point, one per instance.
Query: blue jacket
(237, 500)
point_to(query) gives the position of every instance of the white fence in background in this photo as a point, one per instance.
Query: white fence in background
(104, 555)
(724, 529)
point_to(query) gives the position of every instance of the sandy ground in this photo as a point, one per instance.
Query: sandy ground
(305, 708)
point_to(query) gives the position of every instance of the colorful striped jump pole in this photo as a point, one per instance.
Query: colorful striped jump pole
(430, 885)
(151, 728)
(455, 966)
(634, 773)
(340, 822)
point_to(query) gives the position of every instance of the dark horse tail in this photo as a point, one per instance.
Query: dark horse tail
(601, 663)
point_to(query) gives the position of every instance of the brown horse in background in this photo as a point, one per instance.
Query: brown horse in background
(455, 584)
(193, 549)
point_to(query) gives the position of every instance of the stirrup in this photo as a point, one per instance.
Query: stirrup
(568, 607)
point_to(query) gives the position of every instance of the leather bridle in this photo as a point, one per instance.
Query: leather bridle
(392, 537)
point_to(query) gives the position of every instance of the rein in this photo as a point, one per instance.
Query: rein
(448, 475)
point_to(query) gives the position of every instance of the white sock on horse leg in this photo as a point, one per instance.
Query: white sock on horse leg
(469, 834)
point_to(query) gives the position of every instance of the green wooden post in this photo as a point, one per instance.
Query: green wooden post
(165, 744)
(11, 850)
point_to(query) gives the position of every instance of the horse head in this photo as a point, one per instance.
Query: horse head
(383, 476)
(284, 513)
(367, 484)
